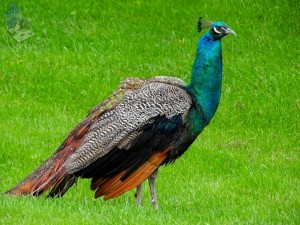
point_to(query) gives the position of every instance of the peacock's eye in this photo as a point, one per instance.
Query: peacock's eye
(217, 30)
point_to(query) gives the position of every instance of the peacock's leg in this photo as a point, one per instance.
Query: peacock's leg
(139, 195)
(151, 180)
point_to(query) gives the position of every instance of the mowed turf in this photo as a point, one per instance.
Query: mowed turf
(243, 169)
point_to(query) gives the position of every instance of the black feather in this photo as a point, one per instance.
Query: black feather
(199, 25)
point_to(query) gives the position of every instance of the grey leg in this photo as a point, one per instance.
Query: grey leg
(139, 195)
(151, 180)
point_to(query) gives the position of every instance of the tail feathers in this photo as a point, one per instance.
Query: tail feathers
(61, 188)
(50, 175)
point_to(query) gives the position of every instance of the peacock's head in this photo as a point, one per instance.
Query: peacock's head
(217, 29)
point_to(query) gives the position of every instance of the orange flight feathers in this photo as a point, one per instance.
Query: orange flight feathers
(114, 187)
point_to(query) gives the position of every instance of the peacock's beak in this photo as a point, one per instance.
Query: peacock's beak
(229, 31)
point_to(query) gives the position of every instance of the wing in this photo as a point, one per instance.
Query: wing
(131, 138)
(124, 168)
(123, 121)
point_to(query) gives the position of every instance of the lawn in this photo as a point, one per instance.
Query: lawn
(243, 169)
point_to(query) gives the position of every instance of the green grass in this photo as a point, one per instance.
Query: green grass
(243, 169)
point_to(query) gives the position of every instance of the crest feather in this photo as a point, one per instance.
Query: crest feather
(202, 24)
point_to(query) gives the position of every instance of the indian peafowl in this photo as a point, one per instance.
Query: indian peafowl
(144, 124)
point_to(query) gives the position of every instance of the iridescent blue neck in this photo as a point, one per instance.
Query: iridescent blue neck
(206, 82)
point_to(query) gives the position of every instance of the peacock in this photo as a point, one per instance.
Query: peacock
(144, 124)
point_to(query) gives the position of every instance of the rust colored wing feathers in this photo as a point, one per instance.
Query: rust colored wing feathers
(115, 186)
